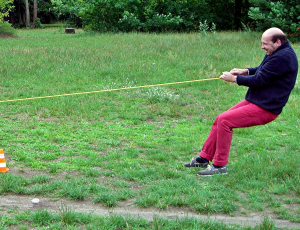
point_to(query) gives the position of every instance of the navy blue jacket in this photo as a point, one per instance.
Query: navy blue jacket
(271, 83)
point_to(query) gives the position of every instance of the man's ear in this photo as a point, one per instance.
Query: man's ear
(278, 43)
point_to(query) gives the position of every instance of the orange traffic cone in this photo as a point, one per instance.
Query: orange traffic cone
(3, 167)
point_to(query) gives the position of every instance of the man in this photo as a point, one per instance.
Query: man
(270, 85)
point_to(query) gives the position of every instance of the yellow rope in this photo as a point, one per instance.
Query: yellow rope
(107, 90)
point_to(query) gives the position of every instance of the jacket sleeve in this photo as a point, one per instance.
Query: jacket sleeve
(252, 71)
(263, 75)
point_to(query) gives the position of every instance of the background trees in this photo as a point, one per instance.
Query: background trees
(160, 15)
(5, 28)
(151, 15)
(37, 9)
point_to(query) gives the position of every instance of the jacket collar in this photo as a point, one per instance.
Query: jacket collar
(283, 46)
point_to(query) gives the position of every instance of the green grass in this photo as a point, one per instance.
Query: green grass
(68, 219)
(130, 144)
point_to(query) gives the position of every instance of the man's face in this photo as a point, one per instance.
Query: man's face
(268, 45)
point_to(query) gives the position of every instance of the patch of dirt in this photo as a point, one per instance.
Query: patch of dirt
(5, 36)
(24, 203)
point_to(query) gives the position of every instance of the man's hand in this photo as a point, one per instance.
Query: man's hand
(227, 76)
(239, 71)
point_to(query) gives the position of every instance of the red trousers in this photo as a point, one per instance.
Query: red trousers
(243, 114)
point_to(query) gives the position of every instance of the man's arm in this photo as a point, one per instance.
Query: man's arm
(227, 76)
(235, 71)
(232, 75)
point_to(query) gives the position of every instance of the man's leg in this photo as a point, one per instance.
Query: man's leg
(209, 148)
(245, 115)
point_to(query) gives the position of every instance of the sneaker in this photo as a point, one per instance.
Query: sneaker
(195, 163)
(211, 170)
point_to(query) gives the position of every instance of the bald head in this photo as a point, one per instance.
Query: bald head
(271, 39)
(274, 34)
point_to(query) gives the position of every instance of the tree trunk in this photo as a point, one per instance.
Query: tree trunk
(12, 18)
(19, 12)
(34, 11)
(237, 13)
(27, 14)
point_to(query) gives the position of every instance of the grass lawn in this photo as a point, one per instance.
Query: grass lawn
(130, 144)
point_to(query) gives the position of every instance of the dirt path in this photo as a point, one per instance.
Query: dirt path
(23, 203)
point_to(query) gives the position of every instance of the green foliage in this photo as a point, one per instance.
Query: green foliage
(68, 10)
(5, 7)
(42, 218)
(129, 22)
(45, 11)
(7, 30)
(13, 183)
(283, 14)
(203, 27)
(106, 198)
(69, 217)
(38, 24)
(162, 23)
(146, 16)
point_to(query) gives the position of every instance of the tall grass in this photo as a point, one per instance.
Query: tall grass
(138, 139)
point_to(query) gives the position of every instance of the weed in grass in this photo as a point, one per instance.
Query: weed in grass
(267, 224)
(75, 190)
(95, 188)
(121, 184)
(156, 95)
(229, 207)
(37, 189)
(53, 169)
(116, 222)
(69, 217)
(42, 218)
(161, 204)
(108, 199)
(292, 214)
(13, 183)
(7, 221)
(207, 206)
(23, 216)
(91, 172)
(274, 202)
(189, 223)
(40, 179)
(125, 194)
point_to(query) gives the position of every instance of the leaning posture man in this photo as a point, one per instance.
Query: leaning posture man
(269, 86)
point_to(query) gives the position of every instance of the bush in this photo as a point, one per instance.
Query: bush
(145, 16)
(129, 22)
(163, 23)
(38, 23)
(7, 30)
(283, 14)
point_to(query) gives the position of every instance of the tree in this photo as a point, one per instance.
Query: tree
(34, 11)
(5, 7)
(237, 13)
(69, 10)
(45, 11)
(27, 14)
(284, 14)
